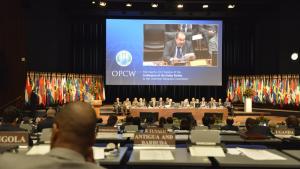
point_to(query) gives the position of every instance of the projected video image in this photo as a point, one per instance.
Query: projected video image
(180, 44)
(163, 52)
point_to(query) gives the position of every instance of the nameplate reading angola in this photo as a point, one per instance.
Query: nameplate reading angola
(13, 138)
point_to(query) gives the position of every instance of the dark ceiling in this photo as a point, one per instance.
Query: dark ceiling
(169, 7)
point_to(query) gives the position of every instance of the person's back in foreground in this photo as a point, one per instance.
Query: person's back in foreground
(73, 136)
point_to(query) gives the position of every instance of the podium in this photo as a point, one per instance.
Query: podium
(96, 105)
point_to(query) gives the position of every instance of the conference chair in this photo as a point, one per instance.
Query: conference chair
(171, 36)
(214, 58)
(46, 135)
(131, 128)
(27, 127)
(184, 115)
(217, 116)
(149, 117)
(215, 127)
(205, 137)
(200, 128)
(41, 113)
(153, 41)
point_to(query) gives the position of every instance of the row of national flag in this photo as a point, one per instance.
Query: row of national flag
(274, 89)
(60, 88)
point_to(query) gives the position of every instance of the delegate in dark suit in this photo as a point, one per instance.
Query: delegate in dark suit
(9, 122)
(47, 123)
(73, 135)
(153, 103)
(177, 48)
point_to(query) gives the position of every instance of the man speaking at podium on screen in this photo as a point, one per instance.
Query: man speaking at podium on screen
(178, 51)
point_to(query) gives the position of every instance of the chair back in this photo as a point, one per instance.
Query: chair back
(205, 136)
(201, 128)
(131, 128)
(27, 127)
(149, 117)
(46, 135)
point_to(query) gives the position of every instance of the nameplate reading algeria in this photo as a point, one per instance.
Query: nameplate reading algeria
(105, 129)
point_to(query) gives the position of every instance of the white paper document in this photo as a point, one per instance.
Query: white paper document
(130, 135)
(181, 137)
(197, 37)
(39, 150)
(153, 147)
(296, 137)
(207, 151)
(156, 155)
(228, 131)
(283, 136)
(148, 64)
(23, 147)
(181, 131)
(260, 154)
(233, 151)
(98, 153)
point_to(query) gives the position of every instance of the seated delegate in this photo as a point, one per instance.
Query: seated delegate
(179, 50)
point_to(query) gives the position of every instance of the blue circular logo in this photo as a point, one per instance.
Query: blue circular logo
(123, 58)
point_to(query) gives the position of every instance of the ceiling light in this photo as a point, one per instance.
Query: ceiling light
(231, 6)
(294, 56)
(180, 6)
(93, 2)
(205, 6)
(128, 5)
(154, 5)
(102, 3)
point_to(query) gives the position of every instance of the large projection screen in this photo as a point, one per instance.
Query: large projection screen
(163, 52)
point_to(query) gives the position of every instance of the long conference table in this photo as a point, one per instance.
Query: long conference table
(130, 159)
(198, 113)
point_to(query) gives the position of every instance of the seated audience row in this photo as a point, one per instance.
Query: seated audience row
(124, 107)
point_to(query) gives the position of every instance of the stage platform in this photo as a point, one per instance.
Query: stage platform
(198, 113)
(107, 110)
(274, 115)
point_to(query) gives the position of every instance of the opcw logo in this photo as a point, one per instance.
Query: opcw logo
(123, 58)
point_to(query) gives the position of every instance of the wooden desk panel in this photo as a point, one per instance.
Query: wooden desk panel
(96, 104)
(168, 112)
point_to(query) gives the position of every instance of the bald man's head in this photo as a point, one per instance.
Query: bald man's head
(180, 39)
(74, 125)
(51, 112)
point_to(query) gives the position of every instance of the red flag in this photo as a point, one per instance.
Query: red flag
(297, 99)
(42, 90)
(28, 90)
(286, 100)
(102, 91)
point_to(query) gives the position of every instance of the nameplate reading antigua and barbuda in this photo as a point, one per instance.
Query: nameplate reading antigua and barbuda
(156, 130)
(14, 138)
(150, 139)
